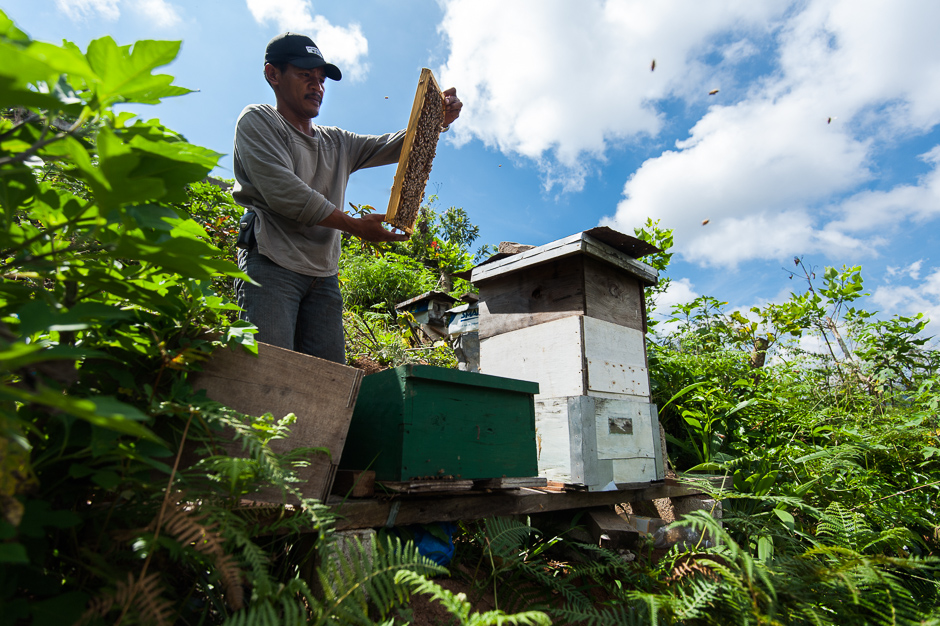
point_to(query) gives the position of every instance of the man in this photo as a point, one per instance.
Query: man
(291, 177)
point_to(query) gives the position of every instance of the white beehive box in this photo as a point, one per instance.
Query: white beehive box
(571, 316)
(598, 442)
(572, 356)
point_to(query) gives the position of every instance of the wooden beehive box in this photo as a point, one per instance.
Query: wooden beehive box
(320, 393)
(577, 275)
(598, 441)
(417, 153)
(419, 421)
(571, 316)
(575, 355)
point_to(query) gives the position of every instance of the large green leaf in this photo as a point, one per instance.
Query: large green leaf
(9, 31)
(126, 71)
(34, 76)
(117, 162)
(17, 186)
(103, 411)
(39, 315)
(18, 354)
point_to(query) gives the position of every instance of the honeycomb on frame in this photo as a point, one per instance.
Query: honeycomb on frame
(417, 154)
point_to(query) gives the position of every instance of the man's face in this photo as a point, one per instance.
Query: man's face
(300, 90)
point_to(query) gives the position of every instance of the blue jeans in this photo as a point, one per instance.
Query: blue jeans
(291, 310)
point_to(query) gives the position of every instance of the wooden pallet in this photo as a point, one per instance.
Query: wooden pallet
(426, 486)
(417, 154)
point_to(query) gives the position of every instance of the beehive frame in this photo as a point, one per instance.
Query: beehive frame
(417, 154)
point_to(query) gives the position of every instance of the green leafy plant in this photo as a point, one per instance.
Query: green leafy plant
(116, 504)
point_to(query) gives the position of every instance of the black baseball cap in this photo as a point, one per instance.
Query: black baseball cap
(299, 50)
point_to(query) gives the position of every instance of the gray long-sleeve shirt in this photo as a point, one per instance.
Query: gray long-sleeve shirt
(292, 181)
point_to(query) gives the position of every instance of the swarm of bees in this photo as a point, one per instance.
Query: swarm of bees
(414, 166)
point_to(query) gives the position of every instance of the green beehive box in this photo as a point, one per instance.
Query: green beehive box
(418, 421)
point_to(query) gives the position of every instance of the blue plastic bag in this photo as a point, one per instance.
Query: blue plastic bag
(431, 544)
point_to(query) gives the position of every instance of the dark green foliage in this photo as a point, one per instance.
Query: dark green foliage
(110, 294)
(379, 283)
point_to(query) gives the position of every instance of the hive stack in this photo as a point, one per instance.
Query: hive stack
(571, 316)
(417, 154)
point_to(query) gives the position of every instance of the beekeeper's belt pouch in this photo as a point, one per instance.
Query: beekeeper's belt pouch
(246, 231)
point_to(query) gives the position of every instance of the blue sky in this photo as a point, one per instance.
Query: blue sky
(823, 140)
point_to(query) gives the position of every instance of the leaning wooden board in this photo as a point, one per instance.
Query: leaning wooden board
(417, 154)
(322, 395)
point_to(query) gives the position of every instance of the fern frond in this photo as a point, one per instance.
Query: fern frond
(457, 605)
(694, 596)
(151, 606)
(185, 524)
(351, 581)
(538, 588)
(506, 536)
(286, 607)
(144, 596)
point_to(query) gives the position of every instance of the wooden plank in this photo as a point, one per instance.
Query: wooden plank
(623, 429)
(658, 440)
(629, 245)
(616, 359)
(602, 251)
(536, 256)
(509, 482)
(553, 439)
(611, 295)
(320, 393)
(610, 529)
(426, 486)
(544, 293)
(427, 509)
(587, 468)
(417, 154)
(550, 354)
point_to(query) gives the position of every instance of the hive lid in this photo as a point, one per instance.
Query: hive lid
(457, 377)
(426, 297)
(632, 246)
(612, 247)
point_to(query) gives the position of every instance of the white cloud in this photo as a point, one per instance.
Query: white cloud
(912, 270)
(773, 174)
(782, 164)
(909, 300)
(739, 50)
(88, 9)
(679, 291)
(346, 47)
(160, 12)
(558, 81)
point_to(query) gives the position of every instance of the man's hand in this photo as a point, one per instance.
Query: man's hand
(373, 230)
(452, 106)
(368, 227)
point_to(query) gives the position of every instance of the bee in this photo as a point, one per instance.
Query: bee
(712, 92)
(653, 65)
(705, 221)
